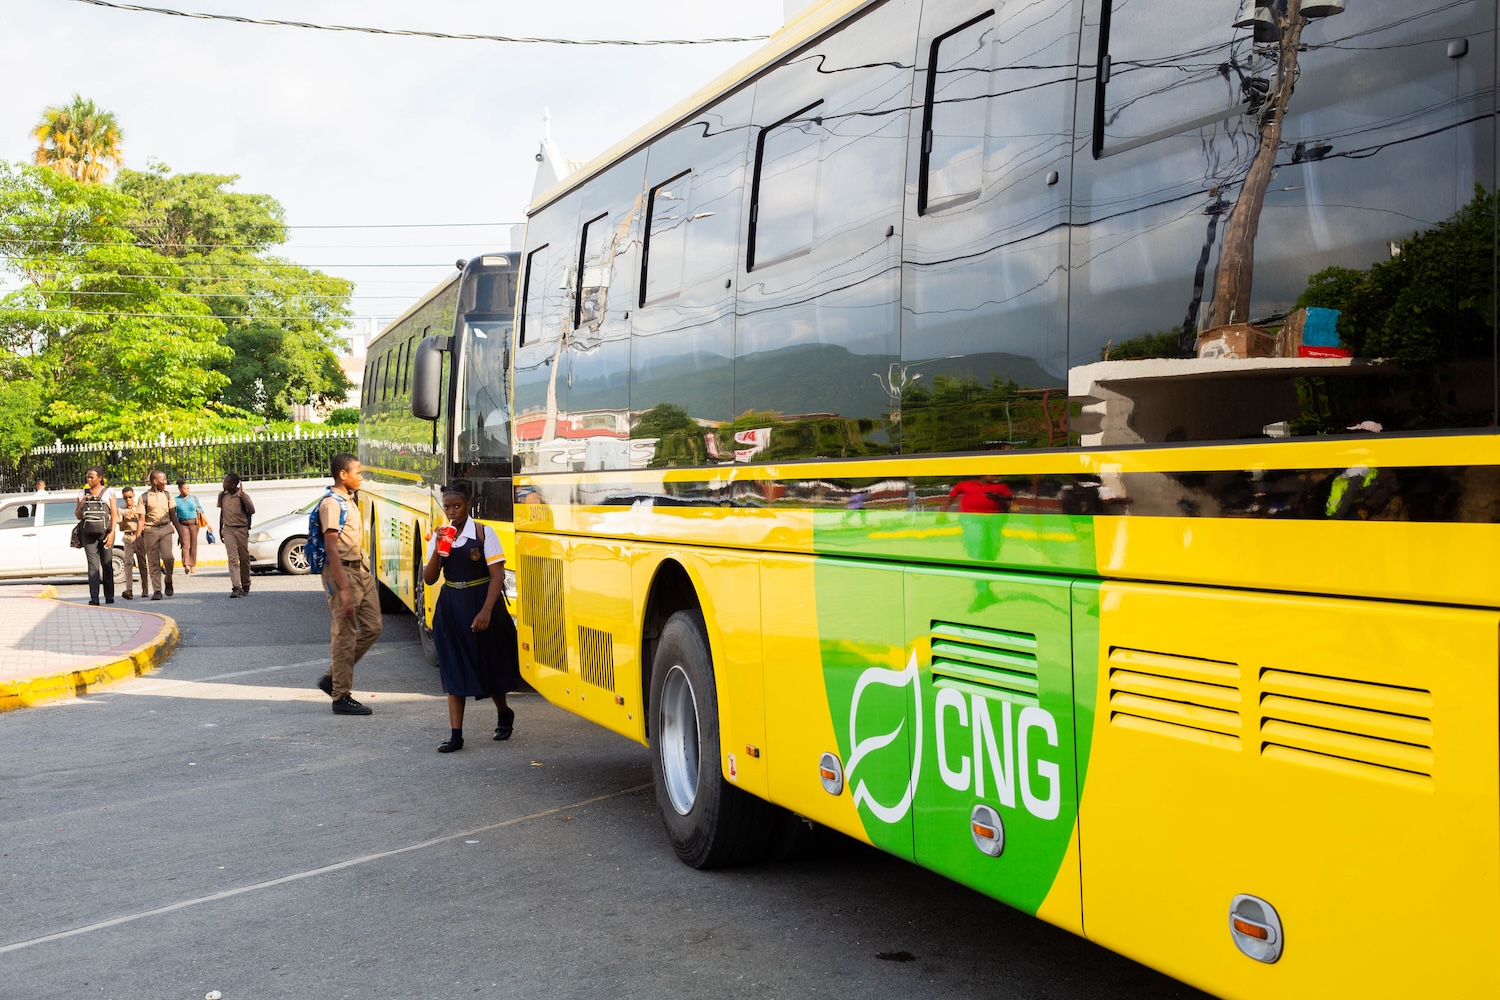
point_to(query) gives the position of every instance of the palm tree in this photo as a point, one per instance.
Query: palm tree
(79, 140)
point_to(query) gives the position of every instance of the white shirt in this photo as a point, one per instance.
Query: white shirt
(492, 551)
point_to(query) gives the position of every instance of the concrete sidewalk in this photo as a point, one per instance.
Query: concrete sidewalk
(50, 649)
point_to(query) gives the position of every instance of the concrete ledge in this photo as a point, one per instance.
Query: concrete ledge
(145, 656)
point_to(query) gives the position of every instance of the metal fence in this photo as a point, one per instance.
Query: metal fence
(204, 460)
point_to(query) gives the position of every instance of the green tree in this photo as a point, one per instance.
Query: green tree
(79, 140)
(1429, 304)
(97, 343)
(282, 321)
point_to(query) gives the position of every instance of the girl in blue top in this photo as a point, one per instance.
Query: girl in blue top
(188, 510)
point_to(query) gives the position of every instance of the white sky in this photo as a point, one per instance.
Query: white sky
(354, 129)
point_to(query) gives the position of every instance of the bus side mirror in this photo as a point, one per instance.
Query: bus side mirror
(427, 377)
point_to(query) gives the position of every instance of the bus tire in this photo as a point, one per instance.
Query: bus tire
(419, 606)
(710, 822)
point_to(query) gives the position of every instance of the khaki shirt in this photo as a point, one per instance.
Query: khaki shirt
(158, 507)
(129, 515)
(351, 537)
(237, 508)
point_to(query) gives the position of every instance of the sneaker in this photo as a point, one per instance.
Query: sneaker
(235, 592)
(348, 706)
(325, 684)
(505, 724)
(169, 588)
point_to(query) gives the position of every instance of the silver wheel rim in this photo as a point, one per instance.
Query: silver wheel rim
(679, 740)
(296, 557)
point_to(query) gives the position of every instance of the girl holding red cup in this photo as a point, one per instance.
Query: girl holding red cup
(476, 646)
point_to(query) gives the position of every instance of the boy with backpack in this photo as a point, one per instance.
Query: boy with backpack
(335, 549)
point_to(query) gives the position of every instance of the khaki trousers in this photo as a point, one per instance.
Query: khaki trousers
(135, 557)
(187, 537)
(352, 635)
(237, 548)
(158, 543)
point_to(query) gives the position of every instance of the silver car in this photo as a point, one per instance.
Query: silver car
(281, 543)
(34, 532)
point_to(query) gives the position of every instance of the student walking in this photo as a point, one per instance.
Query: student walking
(236, 510)
(129, 518)
(190, 518)
(347, 581)
(158, 528)
(476, 646)
(96, 528)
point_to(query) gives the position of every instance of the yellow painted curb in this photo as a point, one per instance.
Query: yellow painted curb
(141, 660)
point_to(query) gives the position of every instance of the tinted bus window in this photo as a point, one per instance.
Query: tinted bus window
(1307, 268)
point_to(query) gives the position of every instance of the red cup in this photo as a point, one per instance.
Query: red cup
(446, 534)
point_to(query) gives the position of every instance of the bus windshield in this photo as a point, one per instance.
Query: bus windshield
(482, 420)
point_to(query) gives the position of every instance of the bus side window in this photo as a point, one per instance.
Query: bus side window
(593, 274)
(1153, 83)
(954, 115)
(784, 187)
(531, 318)
(667, 217)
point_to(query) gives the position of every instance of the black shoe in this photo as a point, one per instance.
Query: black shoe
(235, 592)
(348, 706)
(325, 684)
(156, 596)
(109, 600)
(169, 588)
(454, 743)
(93, 604)
(505, 724)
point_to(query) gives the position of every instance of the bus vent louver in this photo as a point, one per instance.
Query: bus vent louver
(539, 582)
(1359, 728)
(1179, 696)
(985, 661)
(596, 657)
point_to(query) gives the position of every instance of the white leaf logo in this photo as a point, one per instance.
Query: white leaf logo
(862, 748)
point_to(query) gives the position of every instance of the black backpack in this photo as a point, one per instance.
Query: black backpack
(95, 520)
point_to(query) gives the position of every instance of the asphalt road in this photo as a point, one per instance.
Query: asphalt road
(214, 827)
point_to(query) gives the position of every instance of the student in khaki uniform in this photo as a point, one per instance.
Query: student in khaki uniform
(130, 534)
(349, 584)
(236, 510)
(158, 529)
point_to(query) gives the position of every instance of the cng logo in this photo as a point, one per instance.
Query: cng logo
(859, 749)
(1009, 758)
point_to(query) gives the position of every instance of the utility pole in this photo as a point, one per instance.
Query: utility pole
(1237, 258)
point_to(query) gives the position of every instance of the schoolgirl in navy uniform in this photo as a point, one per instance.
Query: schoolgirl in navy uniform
(476, 644)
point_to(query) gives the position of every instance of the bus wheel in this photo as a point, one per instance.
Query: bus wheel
(710, 822)
(419, 605)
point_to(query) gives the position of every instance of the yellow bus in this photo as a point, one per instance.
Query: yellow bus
(1053, 442)
(434, 408)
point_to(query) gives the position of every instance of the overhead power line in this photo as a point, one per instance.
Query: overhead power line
(228, 225)
(412, 33)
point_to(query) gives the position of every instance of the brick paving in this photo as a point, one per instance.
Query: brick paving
(39, 636)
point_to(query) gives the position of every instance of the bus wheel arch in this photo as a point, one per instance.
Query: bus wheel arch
(672, 590)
